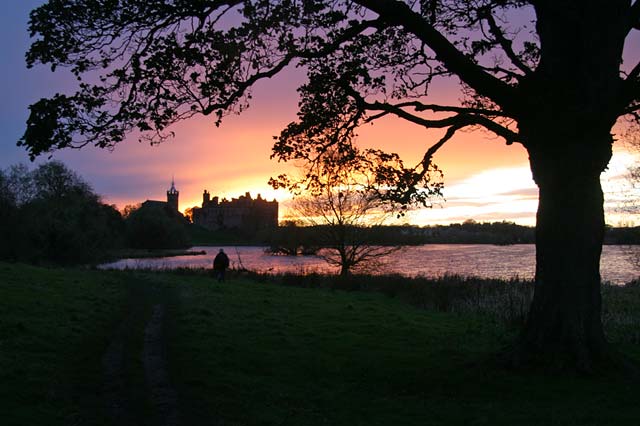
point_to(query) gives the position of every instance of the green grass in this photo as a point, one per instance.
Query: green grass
(54, 325)
(260, 354)
(250, 353)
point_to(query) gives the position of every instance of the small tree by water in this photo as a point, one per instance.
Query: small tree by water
(334, 197)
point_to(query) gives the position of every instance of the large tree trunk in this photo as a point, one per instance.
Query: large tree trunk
(565, 316)
(569, 105)
(564, 326)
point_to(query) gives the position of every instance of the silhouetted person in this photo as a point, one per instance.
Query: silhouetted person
(220, 264)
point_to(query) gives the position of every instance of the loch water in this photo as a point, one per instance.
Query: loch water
(619, 264)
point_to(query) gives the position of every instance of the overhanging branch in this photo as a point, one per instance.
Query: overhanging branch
(400, 14)
(505, 43)
(465, 117)
(420, 107)
(426, 159)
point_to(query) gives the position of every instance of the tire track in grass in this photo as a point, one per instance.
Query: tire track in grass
(162, 394)
(136, 385)
(116, 398)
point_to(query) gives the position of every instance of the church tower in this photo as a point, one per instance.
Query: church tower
(172, 196)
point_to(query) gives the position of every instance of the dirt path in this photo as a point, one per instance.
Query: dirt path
(136, 388)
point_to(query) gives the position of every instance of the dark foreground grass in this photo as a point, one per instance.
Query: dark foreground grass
(54, 325)
(251, 353)
(503, 302)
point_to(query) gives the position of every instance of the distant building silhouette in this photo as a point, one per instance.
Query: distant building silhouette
(243, 213)
(172, 199)
(172, 196)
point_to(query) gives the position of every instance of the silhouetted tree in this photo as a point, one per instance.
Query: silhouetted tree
(130, 208)
(8, 213)
(20, 183)
(546, 74)
(56, 217)
(55, 180)
(291, 238)
(335, 197)
(68, 230)
(7, 198)
(630, 204)
(155, 227)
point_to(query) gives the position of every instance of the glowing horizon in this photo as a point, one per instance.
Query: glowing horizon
(499, 194)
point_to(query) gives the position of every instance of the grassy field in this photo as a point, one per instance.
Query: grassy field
(54, 326)
(257, 353)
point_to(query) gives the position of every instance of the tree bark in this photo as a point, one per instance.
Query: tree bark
(568, 107)
(564, 325)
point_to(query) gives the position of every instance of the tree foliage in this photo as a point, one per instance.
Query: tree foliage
(155, 227)
(340, 203)
(293, 238)
(7, 214)
(53, 216)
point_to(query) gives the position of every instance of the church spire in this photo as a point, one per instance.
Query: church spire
(172, 195)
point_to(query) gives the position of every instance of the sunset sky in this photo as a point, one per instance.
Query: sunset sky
(484, 179)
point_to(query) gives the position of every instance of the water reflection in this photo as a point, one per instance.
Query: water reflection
(429, 260)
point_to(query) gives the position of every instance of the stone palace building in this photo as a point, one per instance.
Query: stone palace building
(243, 213)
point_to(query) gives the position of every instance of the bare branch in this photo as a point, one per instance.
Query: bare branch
(500, 70)
(400, 14)
(426, 159)
(505, 43)
(462, 119)
(243, 86)
(420, 107)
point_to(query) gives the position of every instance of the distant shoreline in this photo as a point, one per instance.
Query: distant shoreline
(470, 232)
(151, 253)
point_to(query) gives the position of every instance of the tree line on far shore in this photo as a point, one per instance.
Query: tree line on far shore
(291, 238)
(50, 215)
